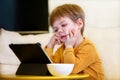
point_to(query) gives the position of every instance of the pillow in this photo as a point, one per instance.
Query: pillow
(6, 55)
(7, 37)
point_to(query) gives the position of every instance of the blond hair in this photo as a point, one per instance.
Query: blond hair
(73, 11)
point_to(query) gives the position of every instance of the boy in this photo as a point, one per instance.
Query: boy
(67, 22)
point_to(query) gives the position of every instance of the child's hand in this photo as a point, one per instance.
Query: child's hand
(71, 39)
(54, 40)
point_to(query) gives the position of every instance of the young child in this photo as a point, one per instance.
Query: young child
(68, 23)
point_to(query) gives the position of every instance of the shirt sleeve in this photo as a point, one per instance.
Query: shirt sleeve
(49, 51)
(82, 58)
(55, 57)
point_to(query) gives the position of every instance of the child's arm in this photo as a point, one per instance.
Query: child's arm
(49, 51)
(54, 57)
(50, 46)
(83, 58)
(53, 41)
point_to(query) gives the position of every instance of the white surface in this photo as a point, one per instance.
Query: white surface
(60, 69)
(8, 68)
(99, 13)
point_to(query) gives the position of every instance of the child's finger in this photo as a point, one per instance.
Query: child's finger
(73, 32)
(70, 34)
(57, 41)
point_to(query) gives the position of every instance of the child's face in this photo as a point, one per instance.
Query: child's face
(63, 27)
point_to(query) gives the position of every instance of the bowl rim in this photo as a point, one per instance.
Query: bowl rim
(60, 64)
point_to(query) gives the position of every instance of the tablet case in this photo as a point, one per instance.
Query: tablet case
(32, 57)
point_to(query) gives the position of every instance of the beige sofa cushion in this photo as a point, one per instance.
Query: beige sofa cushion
(7, 37)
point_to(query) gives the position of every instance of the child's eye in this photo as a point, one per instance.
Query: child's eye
(55, 30)
(63, 25)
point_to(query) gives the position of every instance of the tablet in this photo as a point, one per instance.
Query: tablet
(30, 53)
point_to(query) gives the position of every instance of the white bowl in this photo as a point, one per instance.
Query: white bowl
(60, 69)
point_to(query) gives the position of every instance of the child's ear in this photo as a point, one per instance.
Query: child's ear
(80, 23)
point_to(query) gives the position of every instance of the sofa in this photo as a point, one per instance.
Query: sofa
(106, 41)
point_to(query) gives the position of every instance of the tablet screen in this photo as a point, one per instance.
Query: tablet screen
(30, 53)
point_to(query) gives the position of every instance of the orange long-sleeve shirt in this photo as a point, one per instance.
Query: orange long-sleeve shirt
(84, 57)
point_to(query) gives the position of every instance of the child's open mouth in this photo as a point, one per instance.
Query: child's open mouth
(64, 37)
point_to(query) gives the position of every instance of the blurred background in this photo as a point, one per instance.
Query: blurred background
(102, 26)
(99, 13)
(32, 15)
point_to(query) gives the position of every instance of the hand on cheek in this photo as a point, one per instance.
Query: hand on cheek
(57, 40)
(53, 41)
(71, 39)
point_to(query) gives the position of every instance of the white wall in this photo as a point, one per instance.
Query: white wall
(103, 28)
(99, 13)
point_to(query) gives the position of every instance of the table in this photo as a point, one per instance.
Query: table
(24, 77)
(7, 72)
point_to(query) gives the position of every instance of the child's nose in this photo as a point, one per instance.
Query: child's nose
(60, 30)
